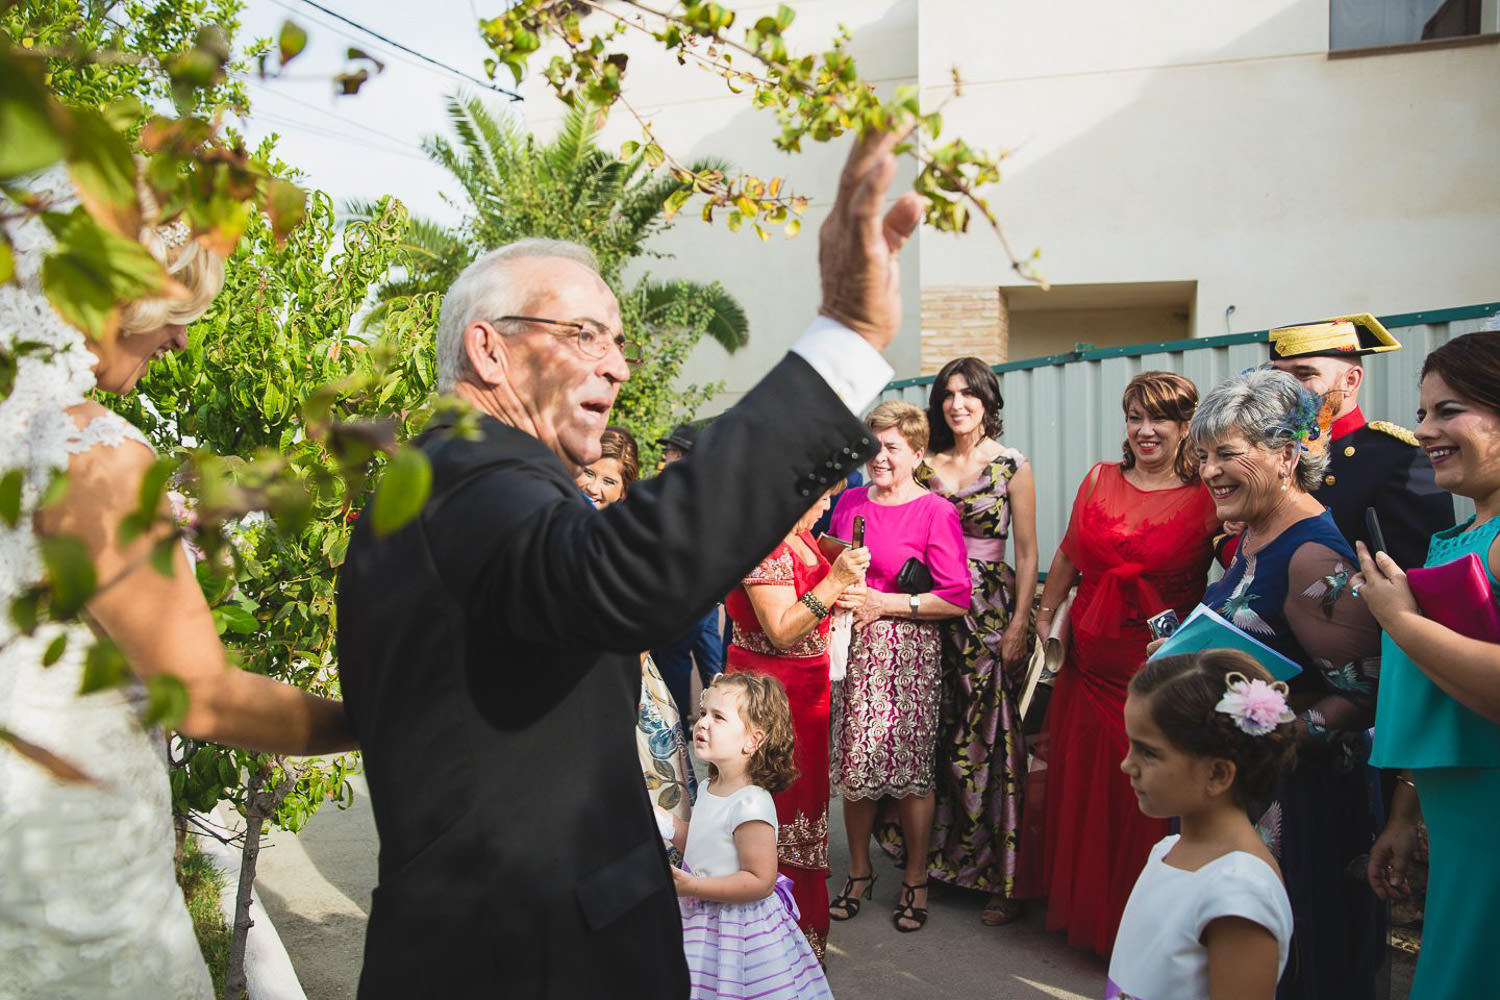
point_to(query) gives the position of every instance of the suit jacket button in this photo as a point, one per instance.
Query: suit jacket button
(1329, 480)
(1349, 451)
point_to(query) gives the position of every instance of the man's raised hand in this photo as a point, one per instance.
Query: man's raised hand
(859, 247)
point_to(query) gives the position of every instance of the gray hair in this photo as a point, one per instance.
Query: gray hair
(1263, 404)
(484, 291)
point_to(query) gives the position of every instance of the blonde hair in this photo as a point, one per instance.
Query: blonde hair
(199, 270)
(764, 706)
(909, 420)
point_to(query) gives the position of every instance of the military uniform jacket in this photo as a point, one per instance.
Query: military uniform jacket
(1380, 465)
(489, 658)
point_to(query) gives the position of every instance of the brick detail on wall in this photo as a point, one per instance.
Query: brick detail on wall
(959, 320)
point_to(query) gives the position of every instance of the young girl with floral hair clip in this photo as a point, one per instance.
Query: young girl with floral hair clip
(1210, 736)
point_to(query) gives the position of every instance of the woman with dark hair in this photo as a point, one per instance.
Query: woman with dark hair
(780, 615)
(1260, 443)
(1438, 715)
(659, 739)
(981, 755)
(1139, 541)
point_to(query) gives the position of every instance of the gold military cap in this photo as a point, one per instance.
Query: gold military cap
(1337, 336)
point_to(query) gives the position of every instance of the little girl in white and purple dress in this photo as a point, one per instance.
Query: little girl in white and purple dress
(739, 930)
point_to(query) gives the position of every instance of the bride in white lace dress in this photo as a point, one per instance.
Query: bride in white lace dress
(89, 904)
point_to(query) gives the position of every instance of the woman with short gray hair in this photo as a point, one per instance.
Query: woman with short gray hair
(1261, 440)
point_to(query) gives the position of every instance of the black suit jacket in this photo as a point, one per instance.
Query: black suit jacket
(488, 655)
(1374, 466)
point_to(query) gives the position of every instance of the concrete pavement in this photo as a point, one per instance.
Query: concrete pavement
(316, 887)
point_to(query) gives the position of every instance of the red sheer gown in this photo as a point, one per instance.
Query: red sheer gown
(802, 810)
(1139, 553)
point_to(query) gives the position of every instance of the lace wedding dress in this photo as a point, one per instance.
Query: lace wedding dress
(89, 905)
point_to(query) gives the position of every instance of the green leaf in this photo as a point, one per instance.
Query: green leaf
(28, 121)
(167, 701)
(103, 170)
(675, 201)
(629, 149)
(10, 497)
(291, 41)
(70, 571)
(7, 263)
(286, 204)
(103, 667)
(94, 270)
(55, 650)
(153, 484)
(233, 618)
(403, 491)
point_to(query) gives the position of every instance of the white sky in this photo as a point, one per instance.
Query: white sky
(367, 145)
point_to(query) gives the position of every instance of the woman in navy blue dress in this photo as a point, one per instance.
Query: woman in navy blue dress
(1261, 451)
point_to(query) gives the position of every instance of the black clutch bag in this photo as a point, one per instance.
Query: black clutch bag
(914, 577)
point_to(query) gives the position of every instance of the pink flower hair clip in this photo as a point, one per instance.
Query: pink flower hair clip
(1256, 707)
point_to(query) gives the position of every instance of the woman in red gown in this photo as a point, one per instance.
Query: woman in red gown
(1139, 541)
(780, 615)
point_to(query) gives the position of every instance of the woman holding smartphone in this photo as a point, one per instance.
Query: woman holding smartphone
(1438, 710)
(780, 616)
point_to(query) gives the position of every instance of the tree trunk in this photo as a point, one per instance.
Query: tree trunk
(179, 836)
(234, 978)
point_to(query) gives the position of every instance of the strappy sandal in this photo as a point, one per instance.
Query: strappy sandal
(848, 900)
(907, 909)
(1000, 911)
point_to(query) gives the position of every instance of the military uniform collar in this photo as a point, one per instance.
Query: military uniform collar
(1347, 424)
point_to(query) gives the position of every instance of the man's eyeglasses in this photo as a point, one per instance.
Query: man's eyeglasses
(592, 338)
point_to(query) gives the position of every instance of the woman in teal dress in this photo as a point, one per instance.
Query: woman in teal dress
(1438, 714)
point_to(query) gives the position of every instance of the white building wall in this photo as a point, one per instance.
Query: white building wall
(1164, 141)
(1219, 143)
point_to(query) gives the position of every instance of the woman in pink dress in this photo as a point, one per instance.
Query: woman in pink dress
(1139, 541)
(885, 712)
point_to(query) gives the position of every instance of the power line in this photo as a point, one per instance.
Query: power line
(276, 119)
(272, 92)
(487, 84)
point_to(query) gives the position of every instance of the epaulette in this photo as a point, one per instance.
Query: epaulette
(1394, 430)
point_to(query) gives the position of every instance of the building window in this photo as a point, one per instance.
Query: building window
(1359, 24)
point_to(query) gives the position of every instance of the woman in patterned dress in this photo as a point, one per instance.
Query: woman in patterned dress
(981, 754)
(780, 617)
(886, 709)
(1139, 541)
(659, 741)
(1260, 452)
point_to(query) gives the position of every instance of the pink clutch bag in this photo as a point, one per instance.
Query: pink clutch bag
(1457, 595)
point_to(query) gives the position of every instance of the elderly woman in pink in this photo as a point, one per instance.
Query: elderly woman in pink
(886, 709)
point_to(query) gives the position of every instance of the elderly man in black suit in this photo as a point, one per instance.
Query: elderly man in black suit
(488, 650)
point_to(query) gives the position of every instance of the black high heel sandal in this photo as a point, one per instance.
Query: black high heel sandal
(848, 900)
(907, 909)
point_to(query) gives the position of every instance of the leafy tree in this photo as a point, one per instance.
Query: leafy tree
(517, 186)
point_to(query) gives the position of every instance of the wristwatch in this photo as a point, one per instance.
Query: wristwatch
(915, 603)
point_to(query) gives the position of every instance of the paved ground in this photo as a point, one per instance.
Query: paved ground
(317, 885)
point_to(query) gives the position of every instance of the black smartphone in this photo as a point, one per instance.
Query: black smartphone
(1372, 530)
(859, 531)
